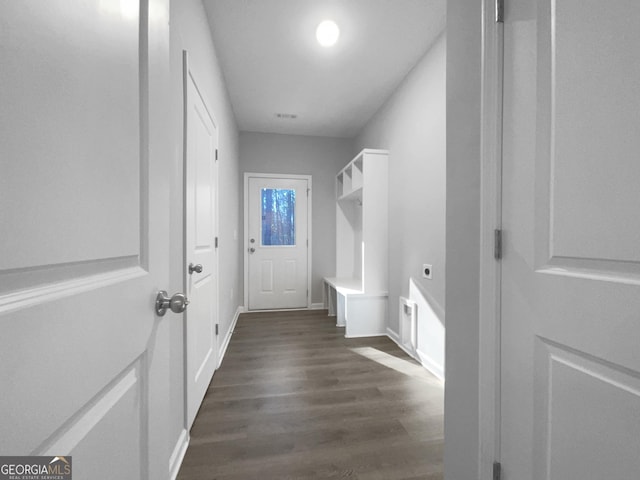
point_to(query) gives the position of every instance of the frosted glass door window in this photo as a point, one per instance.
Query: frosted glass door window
(278, 217)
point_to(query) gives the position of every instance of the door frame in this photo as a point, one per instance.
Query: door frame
(249, 175)
(188, 72)
(489, 341)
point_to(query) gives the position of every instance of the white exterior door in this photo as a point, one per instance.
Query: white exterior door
(277, 242)
(201, 262)
(84, 247)
(570, 380)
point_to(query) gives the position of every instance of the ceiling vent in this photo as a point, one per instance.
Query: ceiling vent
(287, 116)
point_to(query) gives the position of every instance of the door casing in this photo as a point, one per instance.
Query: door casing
(249, 175)
(190, 76)
(490, 221)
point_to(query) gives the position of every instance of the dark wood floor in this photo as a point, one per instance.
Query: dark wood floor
(294, 399)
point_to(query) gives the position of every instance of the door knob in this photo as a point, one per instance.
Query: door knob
(195, 268)
(177, 303)
(251, 250)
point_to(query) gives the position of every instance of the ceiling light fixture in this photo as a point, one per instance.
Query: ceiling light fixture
(327, 33)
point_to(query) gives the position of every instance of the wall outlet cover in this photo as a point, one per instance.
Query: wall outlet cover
(427, 271)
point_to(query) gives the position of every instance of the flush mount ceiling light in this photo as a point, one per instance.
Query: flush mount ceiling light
(327, 33)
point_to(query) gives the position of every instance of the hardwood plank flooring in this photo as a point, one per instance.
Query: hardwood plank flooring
(294, 399)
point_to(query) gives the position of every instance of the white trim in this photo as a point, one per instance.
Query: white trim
(407, 351)
(83, 422)
(425, 360)
(48, 293)
(429, 364)
(394, 336)
(308, 178)
(187, 76)
(396, 339)
(188, 71)
(364, 335)
(179, 451)
(227, 337)
(490, 219)
(317, 306)
(272, 310)
(185, 352)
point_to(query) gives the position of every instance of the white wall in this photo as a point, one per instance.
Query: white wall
(190, 31)
(464, 22)
(430, 341)
(411, 125)
(320, 157)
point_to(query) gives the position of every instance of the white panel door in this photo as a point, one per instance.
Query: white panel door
(201, 262)
(570, 380)
(84, 142)
(277, 242)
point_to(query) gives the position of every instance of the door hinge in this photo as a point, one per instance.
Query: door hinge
(499, 11)
(497, 244)
(308, 190)
(497, 471)
(216, 242)
(217, 325)
(216, 154)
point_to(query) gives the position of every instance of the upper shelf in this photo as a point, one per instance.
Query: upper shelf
(353, 195)
(349, 179)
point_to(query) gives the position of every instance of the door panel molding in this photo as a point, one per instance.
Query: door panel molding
(609, 395)
(98, 409)
(59, 210)
(566, 241)
(30, 297)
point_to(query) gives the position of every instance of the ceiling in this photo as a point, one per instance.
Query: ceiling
(273, 64)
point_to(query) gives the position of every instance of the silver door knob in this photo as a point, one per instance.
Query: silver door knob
(195, 268)
(177, 303)
(251, 250)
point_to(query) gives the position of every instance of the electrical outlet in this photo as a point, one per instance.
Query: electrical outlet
(427, 271)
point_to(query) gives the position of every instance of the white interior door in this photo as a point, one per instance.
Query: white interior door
(84, 198)
(277, 243)
(201, 262)
(571, 262)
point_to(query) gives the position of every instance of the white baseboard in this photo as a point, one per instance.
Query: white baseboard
(430, 365)
(175, 461)
(396, 338)
(421, 357)
(365, 335)
(317, 306)
(273, 310)
(393, 336)
(227, 338)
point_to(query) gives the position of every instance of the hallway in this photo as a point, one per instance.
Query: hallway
(294, 399)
